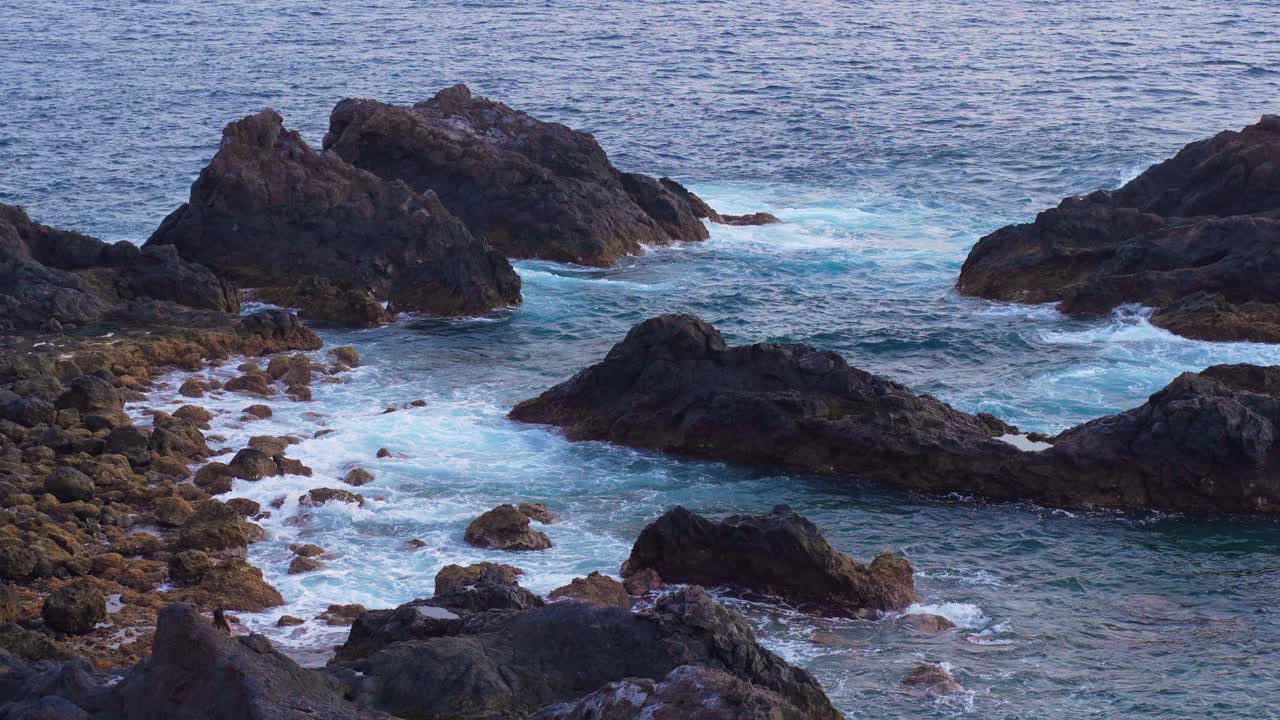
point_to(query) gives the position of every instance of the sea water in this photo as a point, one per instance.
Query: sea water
(888, 137)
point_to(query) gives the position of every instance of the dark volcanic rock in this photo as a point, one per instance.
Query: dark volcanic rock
(200, 673)
(1206, 442)
(689, 692)
(322, 300)
(672, 384)
(1196, 237)
(51, 277)
(533, 189)
(932, 679)
(268, 209)
(512, 664)
(778, 553)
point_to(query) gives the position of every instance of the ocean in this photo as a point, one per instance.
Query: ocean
(889, 137)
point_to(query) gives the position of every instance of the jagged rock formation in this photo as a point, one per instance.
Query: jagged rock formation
(269, 211)
(51, 278)
(533, 189)
(777, 553)
(514, 663)
(1195, 237)
(1204, 443)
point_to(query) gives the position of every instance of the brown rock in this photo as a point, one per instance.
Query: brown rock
(172, 511)
(452, 578)
(505, 528)
(262, 412)
(300, 565)
(642, 582)
(357, 477)
(289, 621)
(341, 615)
(319, 496)
(932, 679)
(926, 623)
(537, 512)
(594, 589)
(346, 355)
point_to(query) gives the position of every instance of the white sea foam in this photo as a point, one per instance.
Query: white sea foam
(964, 615)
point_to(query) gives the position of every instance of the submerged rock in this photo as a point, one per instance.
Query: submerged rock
(1193, 237)
(268, 209)
(778, 553)
(932, 679)
(1198, 445)
(505, 528)
(533, 189)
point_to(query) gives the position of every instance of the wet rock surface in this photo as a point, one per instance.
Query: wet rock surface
(777, 553)
(672, 384)
(1194, 237)
(505, 528)
(268, 209)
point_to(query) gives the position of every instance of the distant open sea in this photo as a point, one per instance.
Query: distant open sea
(889, 136)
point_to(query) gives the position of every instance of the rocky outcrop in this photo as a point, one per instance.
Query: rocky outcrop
(778, 553)
(269, 210)
(690, 692)
(320, 299)
(51, 278)
(533, 189)
(1203, 444)
(198, 672)
(1194, 237)
(498, 665)
(505, 528)
(672, 384)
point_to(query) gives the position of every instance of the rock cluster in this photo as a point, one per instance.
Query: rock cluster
(79, 479)
(52, 279)
(532, 189)
(1205, 443)
(1194, 237)
(270, 211)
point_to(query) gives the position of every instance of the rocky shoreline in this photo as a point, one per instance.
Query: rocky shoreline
(123, 569)
(1193, 237)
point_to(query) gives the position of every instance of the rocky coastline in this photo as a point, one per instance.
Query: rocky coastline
(1193, 237)
(123, 568)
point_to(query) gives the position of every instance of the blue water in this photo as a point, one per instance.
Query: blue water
(888, 136)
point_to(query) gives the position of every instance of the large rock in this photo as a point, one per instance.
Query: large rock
(1206, 442)
(690, 692)
(197, 672)
(270, 210)
(1201, 444)
(62, 276)
(513, 664)
(777, 553)
(74, 608)
(1194, 237)
(672, 384)
(505, 528)
(533, 189)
